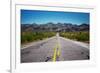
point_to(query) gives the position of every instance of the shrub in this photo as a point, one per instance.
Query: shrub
(79, 36)
(34, 36)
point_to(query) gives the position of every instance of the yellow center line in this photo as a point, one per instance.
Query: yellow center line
(55, 53)
(57, 50)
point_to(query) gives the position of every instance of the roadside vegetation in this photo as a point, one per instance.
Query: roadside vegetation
(78, 36)
(27, 37)
(35, 36)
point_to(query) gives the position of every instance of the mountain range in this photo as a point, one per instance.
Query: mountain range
(59, 27)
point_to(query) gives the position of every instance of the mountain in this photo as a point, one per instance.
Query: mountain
(61, 27)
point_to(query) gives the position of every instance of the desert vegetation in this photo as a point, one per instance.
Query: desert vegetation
(79, 36)
(35, 36)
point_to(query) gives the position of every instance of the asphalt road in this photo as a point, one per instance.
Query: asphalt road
(55, 49)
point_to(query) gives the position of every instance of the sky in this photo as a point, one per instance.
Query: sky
(42, 17)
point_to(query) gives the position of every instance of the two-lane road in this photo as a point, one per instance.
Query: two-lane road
(55, 49)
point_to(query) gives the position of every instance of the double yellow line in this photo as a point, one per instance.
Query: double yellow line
(56, 52)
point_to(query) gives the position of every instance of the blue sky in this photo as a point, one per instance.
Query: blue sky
(42, 17)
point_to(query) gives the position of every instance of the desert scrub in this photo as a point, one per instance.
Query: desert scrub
(79, 36)
(34, 36)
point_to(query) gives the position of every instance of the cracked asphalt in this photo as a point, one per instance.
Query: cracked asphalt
(44, 51)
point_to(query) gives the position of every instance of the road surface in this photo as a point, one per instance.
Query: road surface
(55, 49)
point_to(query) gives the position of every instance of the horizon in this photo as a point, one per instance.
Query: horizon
(52, 23)
(55, 17)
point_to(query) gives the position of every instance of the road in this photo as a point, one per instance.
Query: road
(55, 49)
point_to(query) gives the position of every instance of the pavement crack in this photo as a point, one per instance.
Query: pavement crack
(47, 59)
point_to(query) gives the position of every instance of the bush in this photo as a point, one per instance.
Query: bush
(34, 36)
(79, 36)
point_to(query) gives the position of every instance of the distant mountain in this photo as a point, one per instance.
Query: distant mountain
(61, 27)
